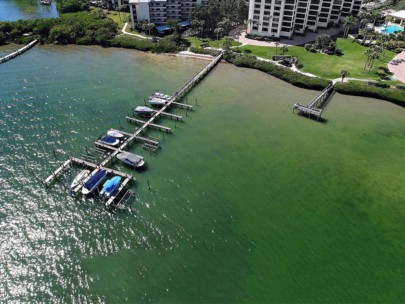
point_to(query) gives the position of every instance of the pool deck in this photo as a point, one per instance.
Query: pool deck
(397, 66)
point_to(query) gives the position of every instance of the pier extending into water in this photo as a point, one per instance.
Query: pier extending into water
(313, 108)
(18, 52)
(136, 136)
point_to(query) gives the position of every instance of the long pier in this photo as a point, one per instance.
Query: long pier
(136, 136)
(18, 52)
(313, 108)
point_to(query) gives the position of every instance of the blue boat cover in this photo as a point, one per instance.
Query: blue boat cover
(108, 139)
(95, 179)
(111, 184)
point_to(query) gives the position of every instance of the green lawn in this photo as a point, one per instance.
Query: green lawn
(196, 42)
(328, 66)
(118, 17)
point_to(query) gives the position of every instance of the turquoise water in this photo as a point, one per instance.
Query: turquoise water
(390, 29)
(249, 203)
(12, 10)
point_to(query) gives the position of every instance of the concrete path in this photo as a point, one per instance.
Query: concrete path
(397, 66)
(124, 31)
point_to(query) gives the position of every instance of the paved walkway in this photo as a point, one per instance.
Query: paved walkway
(124, 31)
(397, 66)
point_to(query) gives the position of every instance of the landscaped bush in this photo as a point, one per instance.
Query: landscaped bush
(198, 50)
(262, 38)
(363, 89)
(307, 46)
(400, 86)
(131, 43)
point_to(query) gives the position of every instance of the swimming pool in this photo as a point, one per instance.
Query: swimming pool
(389, 29)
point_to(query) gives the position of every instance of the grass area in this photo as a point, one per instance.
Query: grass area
(118, 17)
(328, 66)
(196, 42)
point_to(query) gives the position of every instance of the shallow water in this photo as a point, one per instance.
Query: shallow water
(12, 10)
(249, 203)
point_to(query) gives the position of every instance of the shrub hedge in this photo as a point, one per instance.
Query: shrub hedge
(356, 88)
(198, 50)
(363, 89)
(285, 74)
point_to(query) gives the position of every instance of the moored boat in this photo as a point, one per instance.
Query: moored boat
(94, 181)
(109, 140)
(46, 2)
(115, 133)
(156, 101)
(79, 178)
(144, 111)
(131, 159)
(110, 185)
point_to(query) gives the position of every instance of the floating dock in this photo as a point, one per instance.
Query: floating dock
(149, 143)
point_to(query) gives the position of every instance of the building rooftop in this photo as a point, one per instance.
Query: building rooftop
(399, 15)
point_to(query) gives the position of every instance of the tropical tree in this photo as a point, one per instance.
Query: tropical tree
(227, 45)
(343, 74)
(173, 25)
(347, 23)
(276, 44)
(284, 49)
(219, 32)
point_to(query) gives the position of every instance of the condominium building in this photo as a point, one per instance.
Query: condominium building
(159, 11)
(283, 18)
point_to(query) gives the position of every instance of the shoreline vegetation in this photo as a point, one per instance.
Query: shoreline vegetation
(95, 28)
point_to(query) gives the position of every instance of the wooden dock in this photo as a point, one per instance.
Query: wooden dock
(313, 108)
(18, 52)
(141, 122)
(151, 143)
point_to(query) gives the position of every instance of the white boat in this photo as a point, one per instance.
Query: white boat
(94, 181)
(109, 140)
(156, 101)
(131, 159)
(79, 178)
(144, 111)
(115, 133)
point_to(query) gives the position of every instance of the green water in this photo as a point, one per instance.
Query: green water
(249, 203)
(12, 10)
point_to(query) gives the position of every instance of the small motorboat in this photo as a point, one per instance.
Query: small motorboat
(79, 178)
(131, 159)
(144, 111)
(156, 101)
(94, 181)
(109, 140)
(115, 133)
(109, 186)
(46, 2)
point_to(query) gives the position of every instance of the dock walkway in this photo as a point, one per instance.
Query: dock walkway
(136, 136)
(18, 52)
(313, 108)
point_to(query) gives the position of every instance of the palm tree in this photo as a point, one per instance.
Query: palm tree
(347, 23)
(172, 24)
(276, 44)
(343, 74)
(284, 49)
(218, 31)
(249, 24)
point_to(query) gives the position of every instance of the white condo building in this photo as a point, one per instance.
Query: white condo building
(283, 18)
(159, 11)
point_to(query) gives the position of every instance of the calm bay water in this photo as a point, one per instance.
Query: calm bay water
(12, 10)
(249, 203)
